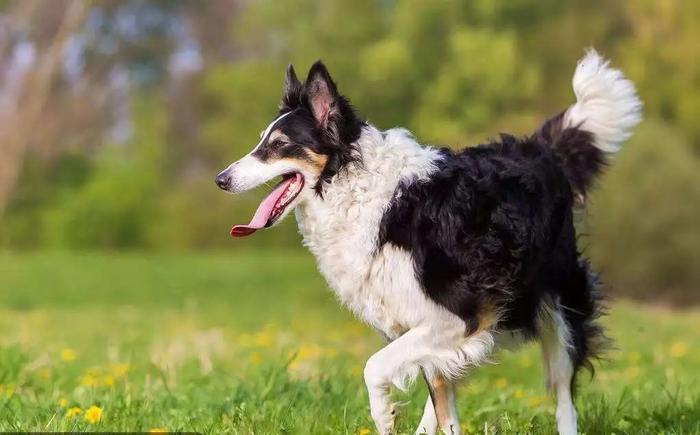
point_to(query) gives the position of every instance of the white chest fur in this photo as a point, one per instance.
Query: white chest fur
(341, 230)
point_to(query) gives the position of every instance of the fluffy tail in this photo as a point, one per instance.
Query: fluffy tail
(586, 134)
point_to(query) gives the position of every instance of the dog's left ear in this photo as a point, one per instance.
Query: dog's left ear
(292, 90)
(292, 85)
(322, 94)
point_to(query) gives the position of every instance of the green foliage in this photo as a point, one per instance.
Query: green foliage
(110, 211)
(40, 187)
(484, 92)
(454, 72)
(240, 107)
(114, 207)
(664, 58)
(644, 217)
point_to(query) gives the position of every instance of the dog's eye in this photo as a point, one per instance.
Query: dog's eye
(277, 143)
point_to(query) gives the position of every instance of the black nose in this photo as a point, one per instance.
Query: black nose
(223, 180)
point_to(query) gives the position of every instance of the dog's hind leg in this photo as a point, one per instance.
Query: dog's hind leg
(440, 408)
(559, 368)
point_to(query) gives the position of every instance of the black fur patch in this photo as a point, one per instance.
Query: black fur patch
(491, 232)
(299, 138)
(336, 139)
(580, 161)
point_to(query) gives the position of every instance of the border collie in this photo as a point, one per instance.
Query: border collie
(447, 254)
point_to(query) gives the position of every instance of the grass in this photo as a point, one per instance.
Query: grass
(254, 343)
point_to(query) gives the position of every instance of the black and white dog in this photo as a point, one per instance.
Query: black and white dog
(448, 254)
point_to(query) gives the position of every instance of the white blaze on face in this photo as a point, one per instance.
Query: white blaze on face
(267, 131)
(250, 172)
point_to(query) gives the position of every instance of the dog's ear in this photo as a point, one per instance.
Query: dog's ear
(291, 82)
(291, 93)
(321, 93)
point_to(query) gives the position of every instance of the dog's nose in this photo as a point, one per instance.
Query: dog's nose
(223, 180)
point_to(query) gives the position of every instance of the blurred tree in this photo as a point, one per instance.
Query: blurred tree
(27, 82)
(484, 93)
(68, 70)
(663, 55)
(644, 218)
(116, 204)
(116, 114)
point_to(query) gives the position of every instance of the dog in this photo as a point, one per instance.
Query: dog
(448, 254)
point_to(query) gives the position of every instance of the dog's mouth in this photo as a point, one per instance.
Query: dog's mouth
(273, 206)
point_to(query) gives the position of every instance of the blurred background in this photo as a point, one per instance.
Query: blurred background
(116, 115)
(125, 303)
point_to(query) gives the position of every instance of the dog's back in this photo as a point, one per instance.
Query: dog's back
(492, 236)
(445, 253)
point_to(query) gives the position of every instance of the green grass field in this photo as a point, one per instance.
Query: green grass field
(255, 343)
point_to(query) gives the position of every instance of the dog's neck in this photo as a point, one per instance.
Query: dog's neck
(341, 227)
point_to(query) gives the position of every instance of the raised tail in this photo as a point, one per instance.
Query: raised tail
(607, 108)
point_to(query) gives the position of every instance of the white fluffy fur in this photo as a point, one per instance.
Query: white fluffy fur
(380, 287)
(429, 422)
(555, 338)
(606, 103)
(249, 172)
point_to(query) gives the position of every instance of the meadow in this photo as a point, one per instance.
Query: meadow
(254, 343)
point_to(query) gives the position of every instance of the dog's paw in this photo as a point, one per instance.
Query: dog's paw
(384, 418)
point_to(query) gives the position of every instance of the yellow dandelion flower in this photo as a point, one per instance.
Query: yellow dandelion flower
(72, 412)
(363, 431)
(119, 370)
(307, 352)
(535, 401)
(255, 358)
(108, 380)
(262, 339)
(62, 402)
(67, 355)
(519, 394)
(93, 414)
(678, 349)
(157, 430)
(88, 380)
(501, 383)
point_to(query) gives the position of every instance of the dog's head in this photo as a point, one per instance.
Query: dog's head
(310, 140)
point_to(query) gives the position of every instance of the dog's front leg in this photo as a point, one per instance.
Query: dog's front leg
(396, 363)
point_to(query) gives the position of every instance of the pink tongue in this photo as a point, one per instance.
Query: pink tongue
(264, 211)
